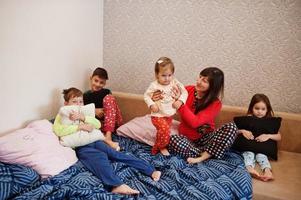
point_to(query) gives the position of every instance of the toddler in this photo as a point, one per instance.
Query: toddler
(163, 110)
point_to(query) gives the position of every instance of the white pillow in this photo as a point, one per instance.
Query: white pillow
(142, 129)
(87, 110)
(38, 147)
(79, 138)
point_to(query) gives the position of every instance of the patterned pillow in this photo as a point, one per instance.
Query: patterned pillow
(15, 178)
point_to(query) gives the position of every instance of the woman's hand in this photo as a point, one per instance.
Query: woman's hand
(176, 92)
(247, 134)
(85, 127)
(177, 104)
(262, 138)
(154, 108)
(73, 116)
(157, 95)
(99, 113)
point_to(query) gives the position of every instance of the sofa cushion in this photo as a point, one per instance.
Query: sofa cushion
(38, 147)
(257, 126)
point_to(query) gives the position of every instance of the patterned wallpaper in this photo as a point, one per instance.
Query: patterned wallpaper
(257, 43)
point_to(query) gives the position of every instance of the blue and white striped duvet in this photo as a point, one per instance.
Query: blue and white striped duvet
(213, 179)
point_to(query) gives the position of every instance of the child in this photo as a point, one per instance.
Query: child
(97, 156)
(261, 108)
(106, 108)
(163, 110)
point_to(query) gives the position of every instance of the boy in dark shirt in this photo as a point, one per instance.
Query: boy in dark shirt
(106, 108)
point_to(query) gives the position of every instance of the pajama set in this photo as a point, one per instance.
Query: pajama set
(97, 156)
(162, 119)
(103, 99)
(250, 158)
(197, 131)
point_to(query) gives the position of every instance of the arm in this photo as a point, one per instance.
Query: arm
(205, 116)
(265, 137)
(182, 92)
(63, 130)
(247, 134)
(148, 95)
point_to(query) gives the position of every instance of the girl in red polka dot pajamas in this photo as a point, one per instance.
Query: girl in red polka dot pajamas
(163, 110)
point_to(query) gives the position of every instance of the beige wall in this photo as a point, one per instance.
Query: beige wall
(45, 46)
(256, 43)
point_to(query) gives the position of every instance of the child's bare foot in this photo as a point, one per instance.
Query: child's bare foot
(253, 172)
(124, 189)
(204, 156)
(164, 152)
(267, 175)
(156, 175)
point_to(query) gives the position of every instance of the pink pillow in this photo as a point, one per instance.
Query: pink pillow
(142, 129)
(36, 146)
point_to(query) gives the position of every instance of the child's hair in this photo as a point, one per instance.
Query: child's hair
(162, 63)
(71, 93)
(216, 87)
(258, 98)
(101, 73)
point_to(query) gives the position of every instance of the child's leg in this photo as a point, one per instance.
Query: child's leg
(265, 166)
(249, 159)
(98, 164)
(112, 119)
(162, 125)
(130, 160)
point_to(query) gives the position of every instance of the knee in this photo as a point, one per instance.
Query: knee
(109, 99)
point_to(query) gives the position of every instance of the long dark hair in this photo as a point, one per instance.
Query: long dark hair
(216, 87)
(258, 98)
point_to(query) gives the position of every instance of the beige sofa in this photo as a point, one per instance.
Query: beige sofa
(287, 170)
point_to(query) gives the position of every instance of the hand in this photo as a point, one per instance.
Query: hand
(99, 113)
(157, 95)
(247, 134)
(262, 138)
(154, 108)
(85, 127)
(76, 116)
(175, 92)
(177, 104)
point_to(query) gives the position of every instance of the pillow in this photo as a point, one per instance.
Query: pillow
(36, 146)
(80, 138)
(142, 129)
(15, 178)
(257, 126)
(87, 110)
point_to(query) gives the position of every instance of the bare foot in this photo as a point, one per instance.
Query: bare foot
(124, 189)
(156, 175)
(267, 175)
(204, 156)
(253, 172)
(164, 152)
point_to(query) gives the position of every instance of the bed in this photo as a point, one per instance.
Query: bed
(213, 179)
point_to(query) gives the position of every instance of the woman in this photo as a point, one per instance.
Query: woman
(198, 140)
